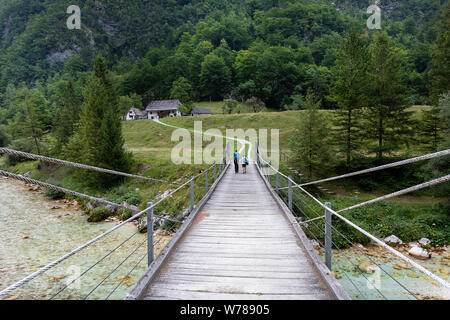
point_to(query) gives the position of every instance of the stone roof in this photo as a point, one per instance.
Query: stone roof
(139, 112)
(163, 105)
(201, 111)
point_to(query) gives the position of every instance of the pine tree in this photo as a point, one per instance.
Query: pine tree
(440, 70)
(431, 129)
(100, 131)
(68, 115)
(388, 120)
(310, 145)
(29, 121)
(348, 92)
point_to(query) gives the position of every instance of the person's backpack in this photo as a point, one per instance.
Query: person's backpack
(246, 160)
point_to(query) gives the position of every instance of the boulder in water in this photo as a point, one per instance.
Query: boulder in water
(419, 253)
(424, 241)
(366, 267)
(393, 240)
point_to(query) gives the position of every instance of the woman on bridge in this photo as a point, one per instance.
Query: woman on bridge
(236, 161)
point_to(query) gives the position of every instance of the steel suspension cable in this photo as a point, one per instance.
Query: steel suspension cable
(61, 189)
(381, 243)
(398, 193)
(95, 264)
(323, 231)
(82, 247)
(120, 264)
(386, 166)
(77, 165)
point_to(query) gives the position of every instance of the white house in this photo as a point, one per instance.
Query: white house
(136, 114)
(155, 110)
(163, 108)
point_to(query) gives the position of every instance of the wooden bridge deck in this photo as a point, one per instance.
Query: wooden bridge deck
(239, 246)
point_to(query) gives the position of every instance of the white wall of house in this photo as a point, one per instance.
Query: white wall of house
(130, 116)
(153, 115)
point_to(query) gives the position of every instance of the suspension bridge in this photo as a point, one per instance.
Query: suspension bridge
(244, 237)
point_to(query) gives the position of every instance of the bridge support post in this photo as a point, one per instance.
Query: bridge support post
(206, 181)
(191, 207)
(290, 193)
(328, 236)
(276, 182)
(150, 248)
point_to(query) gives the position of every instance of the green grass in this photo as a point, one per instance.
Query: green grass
(151, 146)
(216, 107)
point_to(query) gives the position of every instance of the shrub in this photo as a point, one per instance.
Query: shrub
(5, 138)
(25, 145)
(53, 194)
(98, 214)
(131, 197)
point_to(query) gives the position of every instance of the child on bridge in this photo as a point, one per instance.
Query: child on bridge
(244, 164)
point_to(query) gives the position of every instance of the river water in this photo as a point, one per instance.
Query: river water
(387, 276)
(33, 235)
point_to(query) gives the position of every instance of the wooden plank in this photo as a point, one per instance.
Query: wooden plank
(239, 287)
(243, 247)
(167, 294)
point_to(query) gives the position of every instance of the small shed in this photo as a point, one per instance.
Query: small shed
(200, 112)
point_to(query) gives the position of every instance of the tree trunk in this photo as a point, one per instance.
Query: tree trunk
(349, 132)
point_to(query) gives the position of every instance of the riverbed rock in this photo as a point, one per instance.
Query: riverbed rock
(360, 246)
(393, 240)
(142, 226)
(419, 253)
(56, 207)
(366, 267)
(112, 209)
(402, 265)
(89, 206)
(315, 244)
(424, 241)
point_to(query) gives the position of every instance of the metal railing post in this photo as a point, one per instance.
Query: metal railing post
(290, 193)
(150, 243)
(276, 182)
(328, 236)
(191, 207)
(206, 181)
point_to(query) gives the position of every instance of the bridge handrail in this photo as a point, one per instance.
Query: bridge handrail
(77, 165)
(383, 167)
(372, 237)
(49, 266)
(60, 189)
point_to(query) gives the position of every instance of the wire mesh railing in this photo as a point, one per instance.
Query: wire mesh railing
(107, 266)
(362, 273)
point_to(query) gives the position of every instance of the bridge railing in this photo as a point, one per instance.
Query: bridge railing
(108, 265)
(362, 273)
